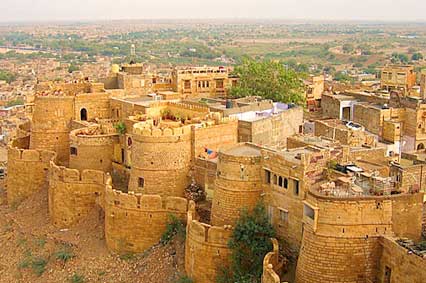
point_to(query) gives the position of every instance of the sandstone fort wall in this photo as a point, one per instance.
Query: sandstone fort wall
(161, 160)
(404, 267)
(92, 151)
(27, 172)
(73, 193)
(214, 137)
(51, 125)
(238, 185)
(343, 229)
(135, 222)
(206, 250)
(97, 105)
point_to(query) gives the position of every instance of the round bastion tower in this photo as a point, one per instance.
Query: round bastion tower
(161, 160)
(51, 125)
(238, 183)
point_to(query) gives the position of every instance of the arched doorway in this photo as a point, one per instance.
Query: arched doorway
(420, 146)
(83, 114)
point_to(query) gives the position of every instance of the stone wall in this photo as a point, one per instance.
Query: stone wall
(204, 174)
(72, 194)
(135, 222)
(97, 105)
(336, 259)
(206, 250)
(27, 172)
(341, 240)
(271, 130)
(402, 266)
(330, 106)
(214, 137)
(161, 160)
(370, 117)
(92, 151)
(238, 185)
(51, 125)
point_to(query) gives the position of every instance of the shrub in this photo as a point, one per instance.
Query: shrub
(121, 128)
(64, 255)
(127, 256)
(249, 243)
(184, 279)
(76, 278)
(38, 265)
(174, 227)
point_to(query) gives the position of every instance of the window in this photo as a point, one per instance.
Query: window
(207, 84)
(388, 274)
(83, 114)
(296, 187)
(187, 84)
(267, 176)
(280, 181)
(219, 83)
(141, 182)
(309, 212)
(285, 183)
(73, 150)
(283, 216)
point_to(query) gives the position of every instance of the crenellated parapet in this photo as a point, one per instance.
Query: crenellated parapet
(73, 193)
(27, 172)
(206, 249)
(147, 133)
(351, 227)
(134, 222)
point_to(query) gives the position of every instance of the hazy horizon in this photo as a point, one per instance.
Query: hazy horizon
(315, 10)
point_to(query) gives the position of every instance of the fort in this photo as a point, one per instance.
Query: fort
(339, 199)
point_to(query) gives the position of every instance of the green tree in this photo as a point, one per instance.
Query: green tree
(399, 58)
(268, 79)
(348, 48)
(342, 77)
(73, 68)
(7, 76)
(249, 243)
(417, 56)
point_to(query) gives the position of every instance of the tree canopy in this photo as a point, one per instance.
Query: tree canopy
(268, 79)
(7, 76)
(417, 56)
(249, 243)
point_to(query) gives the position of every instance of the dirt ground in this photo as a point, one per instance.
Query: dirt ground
(32, 250)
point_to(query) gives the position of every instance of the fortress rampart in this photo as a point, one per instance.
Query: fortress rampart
(72, 194)
(92, 151)
(206, 249)
(135, 222)
(337, 229)
(51, 125)
(161, 160)
(238, 183)
(27, 172)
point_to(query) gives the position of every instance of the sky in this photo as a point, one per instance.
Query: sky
(64, 10)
